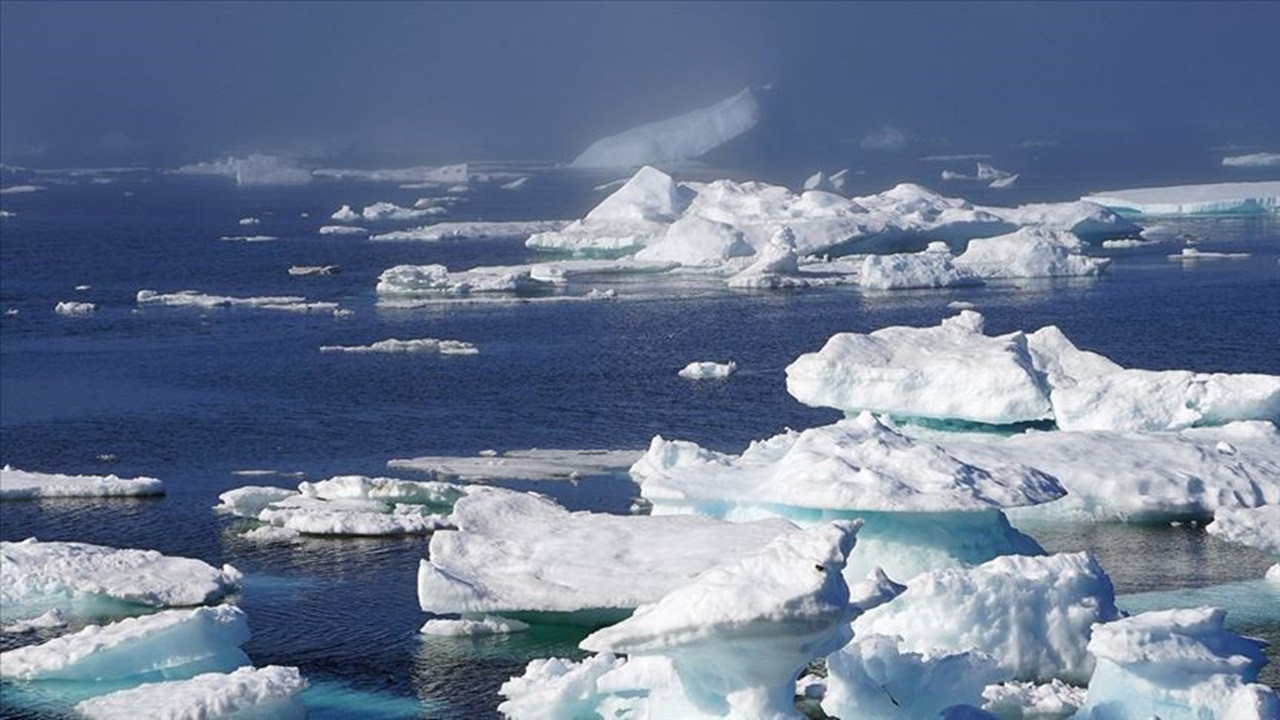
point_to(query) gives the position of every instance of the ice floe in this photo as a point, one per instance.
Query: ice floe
(79, 578)
(516, 184)
(25, 485)
(675, 139)
(520, 553)
(470, 626)
(519, 229)
(194, 298)
(532, 464)
(707, 370)
(437, 280)
(53, 618)
(1033, 615)
(168, 644)
(72, 308)
(933, 268)
(1211, 199)
(1030, 253)
(252, 170)
(390, 211)
(345, 214)
(20, 189)
(243, 694)
(343, 230)
(419, 345)
(250, 221)
(1257, 527)
(423, 174)
(248, 238)
(1261, 159)
(1175, 665)
(314, 270)
(1192, 254)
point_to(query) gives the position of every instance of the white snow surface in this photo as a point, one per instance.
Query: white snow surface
(530, 464)
(194, 298)
(39, 576)
(20, 189)
(1030, 252)
(25, 485)
(168, 644)
(1016, 700)
(1175, 665)
(1261, 159)
(268, 693)
(1033, 615)
(1214, 198)
(474, 230)
(707, 370)
(394, 346)
(684, 137)
(1257, 527)
(519, 552)
(933, 268)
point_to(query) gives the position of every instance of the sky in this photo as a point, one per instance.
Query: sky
(106, 82)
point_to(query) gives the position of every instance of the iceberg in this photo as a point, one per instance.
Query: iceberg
(390, 211)
(515, 229)
(1016, 700)
(410, 281)
(269, 693)
(1261, 159)
(1257, 527)
(250, 221)
(73, 309)
(1246, 198)
(472, 626)
(1175, 665)
(1033, 615)
(248, 238)
(345, 214)
(920, 507)
(707, 370)
(24, 485)
(83, 579)
(777, 265)
(422, 174)
(685, 137)
(298, 270)
(632, 217)
(532, 464)
(343, 230)
(520, 553)
(933, 268)
(392, 345)
(252, 170)
(194, 298)
(694, 241)
(1030, 252)
(171, 644)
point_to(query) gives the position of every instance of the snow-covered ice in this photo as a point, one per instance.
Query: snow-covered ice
(933, 268)
(531, 464)
(343, 230)
(314, 270)
(268, 693)
(345, 214)
(1261, 159)
(520, 229)
(1210, 199)
(1033, 615)
(675, 139)
(470, 626)
(410, 281)
(194, 298)
(419, 345)
(25, 485)
(517, 552)
(1257, 527)
(53, 618)
(72, 308)
(422, 174)
(1015, 700)
(381, 211)
(252, 170)
(1030, 253)
(707, 370)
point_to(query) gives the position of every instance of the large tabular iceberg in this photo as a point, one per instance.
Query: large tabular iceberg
(91, 579)
(680, 138)
(1218, 198)
(516, 552)
(269, 693)
(921, 508)
(23, 485)
(1176, 665)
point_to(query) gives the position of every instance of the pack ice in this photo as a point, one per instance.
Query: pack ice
(531, 464)
(79, 578)
(25, 485)
(268, 693)
(956, 372)
(1212, 199)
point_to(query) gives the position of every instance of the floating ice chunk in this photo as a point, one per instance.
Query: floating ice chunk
(1085, 219)
(708, 370)
(1262, 159)
(253, 170)
(1018, 700)
(533, 464)
(54, 618)
(933, 268)
(556, 688)
(1173, 664)
(961, 305)
(1004, 182)
(776, 265)
(696, 241)
(873, 678)
(423, 174)
(343, 230)
(250, 500)
(248, 238)
(517, 552)
(469, 626)
(515, 229)
(390, 211)
(6, 214)
(1139, 477)
(248, 693)
(168, 644)
(250, 221)
(739, 634)
(193, 298)
(314, 269)
(1192, 254)
(21, 189)
(437, 280)
(1211, 199)
(1257, 527)
(1030, 252)
(679, 138)
(71, 308)
(516, 184)
(952, 371)
(345, 214)
(1033, 615)
(24, 485)
(1129, 243)
(76, 576)
(421, 345)
(817, 181)
(632, 217)
(1152, 400)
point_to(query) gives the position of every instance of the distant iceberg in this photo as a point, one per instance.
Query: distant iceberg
(71, 308)
(707, 370)
(343, 230)
(441, 175)
(252, 170)
(1262, 159)
(1248, 198)
(520, 229)
(23, 485)
(390, 211)
(193, 298)
(394, 346)
(685, 137)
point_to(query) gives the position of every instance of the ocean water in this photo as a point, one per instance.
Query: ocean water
(194, 396)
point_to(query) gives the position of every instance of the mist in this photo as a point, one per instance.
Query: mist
(165, 83)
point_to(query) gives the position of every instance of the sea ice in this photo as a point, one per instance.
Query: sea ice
(345, 214)
(71, 308)
(314, 269)
(24, 485)
(1211, 199)
(390, 211)
(422, 174)
(194, 298)
(471, 626)
(1175, 665)
(1193, 254)
(269, 693)
(679, 138)
(248, 238)
(252, 170)
(1033, 615)
(1030, 252)
(170, 644)
(75, 577)
(707, 370)
(54, 618)
(1016, 700)
(437, 280)
(343, 230)
(933, 268)
(392, 345)
(516, 229)
(1257, 527)
(20, 189)
(250, 221)
(516, 184)
(695, 241)
(1262, 159)
(532, 464)
(517, 552)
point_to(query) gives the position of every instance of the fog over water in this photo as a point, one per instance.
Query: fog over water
(166, 83)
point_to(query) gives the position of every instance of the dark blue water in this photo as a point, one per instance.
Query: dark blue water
(190, 396)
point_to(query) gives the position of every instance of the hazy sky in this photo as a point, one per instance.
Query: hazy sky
(441, 81)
